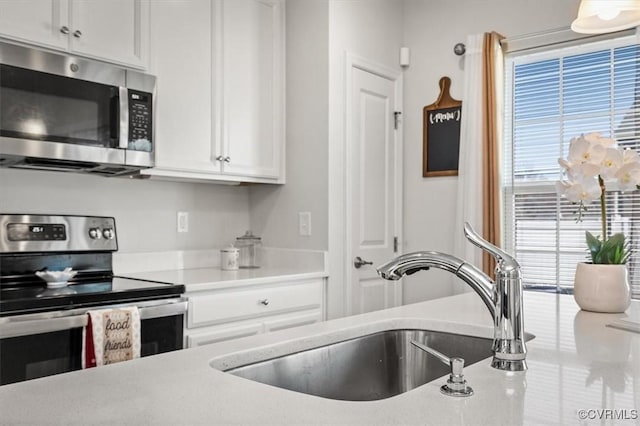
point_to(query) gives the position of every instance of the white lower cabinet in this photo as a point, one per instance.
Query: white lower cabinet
(219, 315)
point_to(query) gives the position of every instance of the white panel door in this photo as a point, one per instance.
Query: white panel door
(116, 30)
(44, 22)
(371, 172)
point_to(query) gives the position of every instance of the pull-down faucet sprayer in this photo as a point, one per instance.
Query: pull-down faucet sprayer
(503, 298)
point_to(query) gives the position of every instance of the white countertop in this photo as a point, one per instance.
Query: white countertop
(199, 270)
(199, 279)
(575, 363)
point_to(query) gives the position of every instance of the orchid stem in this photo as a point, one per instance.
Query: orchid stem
(603, 209)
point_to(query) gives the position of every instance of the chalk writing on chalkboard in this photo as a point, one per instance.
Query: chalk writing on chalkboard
(441, 129)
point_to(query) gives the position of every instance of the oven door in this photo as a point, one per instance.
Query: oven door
(39, 345)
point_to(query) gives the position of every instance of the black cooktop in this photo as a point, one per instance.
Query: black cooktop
(32, 298)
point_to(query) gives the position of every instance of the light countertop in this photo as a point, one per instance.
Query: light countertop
(200, 279)
(575, 363)
(199, 270)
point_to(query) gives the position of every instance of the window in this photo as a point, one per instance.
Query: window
(551, 97)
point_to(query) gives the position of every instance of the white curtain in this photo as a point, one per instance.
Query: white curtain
(469, 196)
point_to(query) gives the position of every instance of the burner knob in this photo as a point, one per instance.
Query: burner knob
(94, 233)
(107, 233)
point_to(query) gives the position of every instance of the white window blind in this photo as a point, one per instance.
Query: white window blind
(551, 97)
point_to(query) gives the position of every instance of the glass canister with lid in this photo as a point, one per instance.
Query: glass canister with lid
(249, 246)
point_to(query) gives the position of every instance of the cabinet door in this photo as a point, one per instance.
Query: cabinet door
(220, 334)
(36, 21)
(250, 59)
(181, 60)
(295, 320)
(114, 30)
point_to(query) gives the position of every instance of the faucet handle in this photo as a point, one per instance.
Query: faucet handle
(456, 384)
(504, 260)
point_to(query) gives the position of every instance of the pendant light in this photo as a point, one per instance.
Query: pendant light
(605, 16)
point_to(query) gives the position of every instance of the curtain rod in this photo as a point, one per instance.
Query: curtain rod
(555, 36)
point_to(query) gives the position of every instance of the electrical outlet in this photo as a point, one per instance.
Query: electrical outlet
(304, 223)
(183, 221)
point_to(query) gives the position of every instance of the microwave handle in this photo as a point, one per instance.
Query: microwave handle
(124, 118)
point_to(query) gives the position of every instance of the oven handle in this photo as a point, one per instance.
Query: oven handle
(40, 323)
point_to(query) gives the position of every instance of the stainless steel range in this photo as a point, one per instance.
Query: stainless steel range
(40, 324)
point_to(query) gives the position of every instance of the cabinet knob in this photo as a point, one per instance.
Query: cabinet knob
(77, 33)
(64, 29)
(264, 302)
(227, 159)
(220, 158)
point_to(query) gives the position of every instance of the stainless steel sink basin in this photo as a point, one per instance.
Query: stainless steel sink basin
(366, 368)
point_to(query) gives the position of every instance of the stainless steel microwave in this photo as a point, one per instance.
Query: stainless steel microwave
(62, 113)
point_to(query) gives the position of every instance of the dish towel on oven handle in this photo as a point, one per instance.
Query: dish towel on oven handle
(111, 335)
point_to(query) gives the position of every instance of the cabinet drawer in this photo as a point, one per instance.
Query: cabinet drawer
(236, 305)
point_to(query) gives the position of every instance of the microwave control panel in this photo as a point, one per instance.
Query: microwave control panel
(140, 116)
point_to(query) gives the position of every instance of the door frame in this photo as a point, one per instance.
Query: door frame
(354, 61)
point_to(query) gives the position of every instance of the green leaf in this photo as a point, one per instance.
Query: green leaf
(595, 245)
(614, 250)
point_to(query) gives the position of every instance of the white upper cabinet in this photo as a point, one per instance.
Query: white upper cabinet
(44, 22)
(181, 60)
(115, 30)
(249, 89)
(110, 30)
(220, 89)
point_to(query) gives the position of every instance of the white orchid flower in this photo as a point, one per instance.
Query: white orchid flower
(579, 190)
(611, 163)
(582, 151)
(595, 138)
(585, 170)
(628, 176)
(630, 156)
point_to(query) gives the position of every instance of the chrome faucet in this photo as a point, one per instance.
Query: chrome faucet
(503, 298)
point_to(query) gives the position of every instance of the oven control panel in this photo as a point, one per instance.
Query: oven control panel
(36, 232)
(40, 233)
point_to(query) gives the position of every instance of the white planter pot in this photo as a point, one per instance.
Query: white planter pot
(602, 288)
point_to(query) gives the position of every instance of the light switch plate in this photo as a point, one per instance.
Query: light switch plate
(304, 224)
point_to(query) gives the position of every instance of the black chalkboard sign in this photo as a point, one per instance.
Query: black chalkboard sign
(441, 130)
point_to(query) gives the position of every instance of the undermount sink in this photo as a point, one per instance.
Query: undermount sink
(367, 368)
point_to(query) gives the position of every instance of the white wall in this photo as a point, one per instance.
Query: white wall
(145, 210)
(431, 29)
(371, 29)
(274, 209)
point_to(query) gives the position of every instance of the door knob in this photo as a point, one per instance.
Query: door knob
(358, 262)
